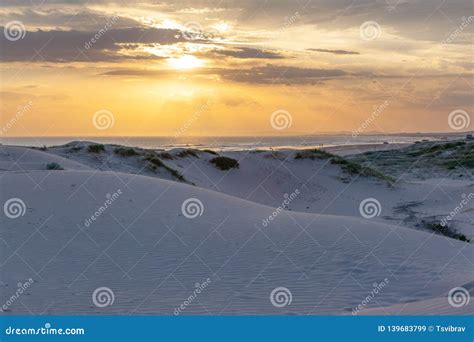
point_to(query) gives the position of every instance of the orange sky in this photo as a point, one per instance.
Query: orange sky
(231, 68)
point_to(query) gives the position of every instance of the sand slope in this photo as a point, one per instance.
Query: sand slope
(151, 255)
(267, 177)
(13, 158)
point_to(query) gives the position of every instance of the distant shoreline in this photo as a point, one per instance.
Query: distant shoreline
(239, 143)
(341, 149)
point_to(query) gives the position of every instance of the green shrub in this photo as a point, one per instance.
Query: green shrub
(96, 148)
(347, 166)
(75, 149)
(446, 231)
(225, 163)
(176, 174)
(211, 152)
(126, 151)
(166, 155)
(187, 153)
(313, 154)
(53, 166)
(154, 161)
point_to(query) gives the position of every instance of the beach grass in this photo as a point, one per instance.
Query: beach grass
(225, 163)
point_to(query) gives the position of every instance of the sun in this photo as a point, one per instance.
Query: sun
(185, 62)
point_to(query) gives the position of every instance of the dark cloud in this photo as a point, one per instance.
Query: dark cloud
(67, 18)
(247, 53)
(336, 52)
(432, 20)
(278, 74)
(70, 46)
(268, 74)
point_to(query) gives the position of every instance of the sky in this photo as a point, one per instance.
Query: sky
(247, 67)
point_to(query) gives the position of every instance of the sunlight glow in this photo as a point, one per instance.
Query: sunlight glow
(185, 62)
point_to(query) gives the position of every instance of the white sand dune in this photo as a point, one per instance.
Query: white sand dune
(151, 256)
(267, 177)
(16, 158)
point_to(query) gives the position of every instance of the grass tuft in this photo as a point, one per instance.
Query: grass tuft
(54, 166)
(95, 148)
(347, 166)
(126, 151)
(446, 231)
(225, 163)
(187, 153)
(155, 162)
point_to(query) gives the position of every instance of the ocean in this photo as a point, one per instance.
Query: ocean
(236, 143)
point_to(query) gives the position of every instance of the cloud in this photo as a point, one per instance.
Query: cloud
(246, 53)
(268, 74)
(64, 18)
(336, 52)
(71, 46)
(278, 74)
